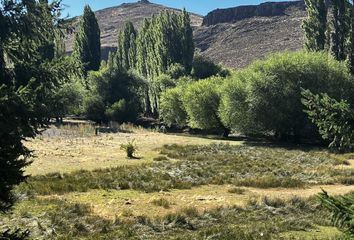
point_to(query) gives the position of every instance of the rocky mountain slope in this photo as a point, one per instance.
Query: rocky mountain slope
(234, 37)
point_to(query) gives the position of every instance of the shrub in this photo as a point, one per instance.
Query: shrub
(176, 71)
(162, 202)
(204, 67)
(95, 109)
(171, 107)
(122, 111)
(130, 148)
(270, 96)
(201, 100)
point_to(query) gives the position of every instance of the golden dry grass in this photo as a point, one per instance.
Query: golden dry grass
(86, 151)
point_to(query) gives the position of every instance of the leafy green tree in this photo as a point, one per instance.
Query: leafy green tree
(334, 119)
(109, 88)
(126, 53)
(87, 46)
(270, 101)
(201, 100)
(204, 67)
(187, 41)
(315, 25)
(164, 41)
(341, 28)
(171, 107)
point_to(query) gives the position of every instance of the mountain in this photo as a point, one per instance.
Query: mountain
(234, 37)
(111, 21)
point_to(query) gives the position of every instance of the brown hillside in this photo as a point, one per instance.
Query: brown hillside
(234, 37)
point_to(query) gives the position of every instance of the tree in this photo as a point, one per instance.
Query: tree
(201, 100)
(341, 29)
(334, 119)
(164, 41)
(315, 25)
(342, 211)
(26, 39)
(171, 107)
(203, 67)
(87, 46)
(270, 98)
(187, 41)
(114, 95)
(126, 53)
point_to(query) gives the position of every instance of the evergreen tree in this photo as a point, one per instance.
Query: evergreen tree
(87, 46)
(315, 25)
(351, 51)
(25, 28)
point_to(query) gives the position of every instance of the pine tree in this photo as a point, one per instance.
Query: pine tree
(87, 46)
(351, 51)
(315, 25)
(26, 26)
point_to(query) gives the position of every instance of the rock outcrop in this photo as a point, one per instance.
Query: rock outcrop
(268, 9)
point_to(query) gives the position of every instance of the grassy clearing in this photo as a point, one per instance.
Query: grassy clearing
(265, 219)
(182, 188)
(197, 165)
(72, 148)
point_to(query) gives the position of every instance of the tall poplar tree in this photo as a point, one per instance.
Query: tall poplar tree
(87, 46)
(126, 53)
(341, 28)
(315, 25)
(187, 41)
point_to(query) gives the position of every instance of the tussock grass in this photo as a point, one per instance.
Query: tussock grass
(162, 202)
(261, 167)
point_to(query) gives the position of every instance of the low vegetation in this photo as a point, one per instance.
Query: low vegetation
(251, 166)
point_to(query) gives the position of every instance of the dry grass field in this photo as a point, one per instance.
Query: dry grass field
(182, 187)
(75, 148)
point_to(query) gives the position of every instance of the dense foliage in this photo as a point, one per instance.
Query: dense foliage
(334, 119)
(30, 70)
(315, 26)
(87, 46)
(342, 211)
(115, 95)
(266, 97)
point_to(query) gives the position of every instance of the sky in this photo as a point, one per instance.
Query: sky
(202, 7)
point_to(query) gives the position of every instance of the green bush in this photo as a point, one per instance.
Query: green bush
(130, 148)
(95, 109)
(120, 92)
(204, 67)
(201, 100)
(121, 112)
(171, 107)
(176, 71)
(266, 97)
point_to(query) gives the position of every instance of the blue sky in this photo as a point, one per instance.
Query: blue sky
(75, 7)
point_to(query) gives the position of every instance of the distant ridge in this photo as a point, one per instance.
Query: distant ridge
(268, 9)
(234, 37)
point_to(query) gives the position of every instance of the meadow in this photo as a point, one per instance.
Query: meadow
(181, 186)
